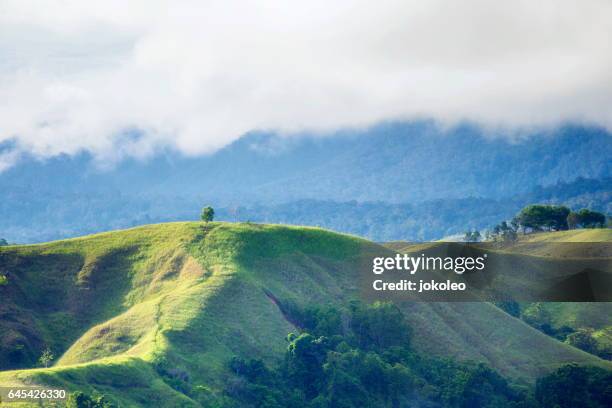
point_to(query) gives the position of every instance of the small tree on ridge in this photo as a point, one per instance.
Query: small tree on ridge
(208, 214)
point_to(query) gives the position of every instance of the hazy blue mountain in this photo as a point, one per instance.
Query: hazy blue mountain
(398, 164)
(428, 220)
(407, 164)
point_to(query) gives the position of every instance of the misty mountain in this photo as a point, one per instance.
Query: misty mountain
(404, 165)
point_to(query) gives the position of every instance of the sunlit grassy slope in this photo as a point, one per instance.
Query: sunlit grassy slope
(577, 235)
(533, 242)
(574, 243)
(550, 249)
(115, 307)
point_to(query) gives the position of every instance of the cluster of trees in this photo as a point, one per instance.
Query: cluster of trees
(79, 399)
(501, 232)
(586, 218)
(504, 231)
(537, 217)
(574, 386)
(3, 242)
(540, 217)
(585, 340)
(472, 236)
(368, 361)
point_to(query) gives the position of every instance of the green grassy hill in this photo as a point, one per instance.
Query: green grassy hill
(576, 235)
(565, 244)
(121, 308)
(553, 251)
(595, 317)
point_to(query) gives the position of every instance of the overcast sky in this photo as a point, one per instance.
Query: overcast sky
(195, 76)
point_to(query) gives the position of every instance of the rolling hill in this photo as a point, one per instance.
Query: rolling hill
(557, 317)
(120, 309)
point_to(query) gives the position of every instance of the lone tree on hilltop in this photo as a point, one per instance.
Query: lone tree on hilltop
(208, 214)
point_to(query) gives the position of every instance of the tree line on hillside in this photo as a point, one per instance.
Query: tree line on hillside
(541, 217)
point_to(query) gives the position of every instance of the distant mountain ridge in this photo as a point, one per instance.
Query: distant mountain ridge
(423, 221)
(396, 164)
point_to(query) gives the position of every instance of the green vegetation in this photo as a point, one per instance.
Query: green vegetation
(586, 218)
(153, 315)
(35, 214)
(3, 242)
(510, 307)
(472, 236)
(208, 214)
(78, 399)
(572, 386)
(586, 326)
(370, 364)
(142, 304)
(584, 340)
(424, 221)
(580, 235)
(582, 325)
(46, 357)
(538, 217)
(365, 365)
(504, 232)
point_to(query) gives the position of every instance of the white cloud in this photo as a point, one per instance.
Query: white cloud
(196, 75)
